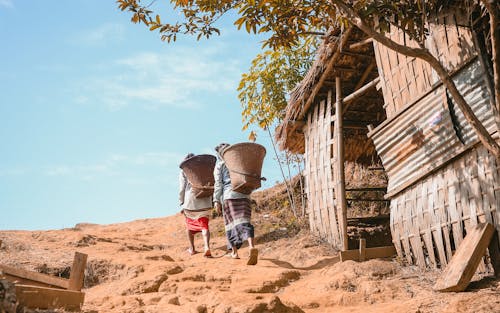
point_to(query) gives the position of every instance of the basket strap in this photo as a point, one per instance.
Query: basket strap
(246, 174)
(203, 187)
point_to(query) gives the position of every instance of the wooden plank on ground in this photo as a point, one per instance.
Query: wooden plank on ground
(26, 276)
(464, 263)
(49, 298)
(370, 253)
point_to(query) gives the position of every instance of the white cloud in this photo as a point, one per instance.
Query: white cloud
(119, 165)
(99, 36)
(6, 3)
(153, 80)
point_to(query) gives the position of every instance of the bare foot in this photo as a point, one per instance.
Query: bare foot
(207, 253)
(233, 255)
(191, 251)
(253, 257)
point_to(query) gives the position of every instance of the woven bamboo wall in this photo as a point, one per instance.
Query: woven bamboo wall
(431, 218)
(319, 174)
(404, 79)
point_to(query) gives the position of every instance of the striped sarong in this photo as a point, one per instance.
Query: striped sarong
(237, 221)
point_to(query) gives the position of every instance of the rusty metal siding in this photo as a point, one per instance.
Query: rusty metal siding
(430, 132)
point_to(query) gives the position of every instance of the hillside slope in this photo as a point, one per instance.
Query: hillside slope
(143, 266)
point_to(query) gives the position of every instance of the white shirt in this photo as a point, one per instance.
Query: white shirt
(193, 207)
(222, 186)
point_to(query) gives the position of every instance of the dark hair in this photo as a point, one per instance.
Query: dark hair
(220, 147)
(189, 155)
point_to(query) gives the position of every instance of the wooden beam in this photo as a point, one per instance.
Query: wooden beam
(358, 93)
(357, 54)
(463, 264)
(77, 275)
(344, 69)
(340, 188)
(360, 43)
(34, 297)
(370, 253)
(27, 276)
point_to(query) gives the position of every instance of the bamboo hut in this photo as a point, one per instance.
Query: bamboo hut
(361, 101)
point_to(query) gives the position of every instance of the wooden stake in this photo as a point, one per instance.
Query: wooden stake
(340, 188)
(362, 249)
(77, 274)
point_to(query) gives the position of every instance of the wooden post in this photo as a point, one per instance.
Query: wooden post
(77, 274)
(340, 187)
(362, 249)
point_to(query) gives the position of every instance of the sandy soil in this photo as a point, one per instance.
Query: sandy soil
(142, 266)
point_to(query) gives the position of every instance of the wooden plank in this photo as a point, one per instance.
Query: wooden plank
(27, 276)
(464, 263)
(370, 253)
(77, 273)
(48, 298)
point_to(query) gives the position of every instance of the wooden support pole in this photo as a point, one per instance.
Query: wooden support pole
(358, 93)
(77, 274)
(340, 186)
(362, 249)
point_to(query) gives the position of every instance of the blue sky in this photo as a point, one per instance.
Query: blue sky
(96, 112)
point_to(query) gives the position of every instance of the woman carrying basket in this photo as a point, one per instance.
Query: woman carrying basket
(196, 211)
(235, 208)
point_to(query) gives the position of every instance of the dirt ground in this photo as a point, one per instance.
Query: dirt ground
(143, 266)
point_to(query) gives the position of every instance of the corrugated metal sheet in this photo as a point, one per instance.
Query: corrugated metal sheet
(428, 133)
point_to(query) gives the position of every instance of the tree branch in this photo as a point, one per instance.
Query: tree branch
(424, 54)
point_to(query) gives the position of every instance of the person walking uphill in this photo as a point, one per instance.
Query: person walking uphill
(235, 208)
(196, 212)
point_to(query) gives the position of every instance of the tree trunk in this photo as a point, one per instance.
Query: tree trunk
(424, 54)
(494, 12)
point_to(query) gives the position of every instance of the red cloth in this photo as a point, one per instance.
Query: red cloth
(197, 225)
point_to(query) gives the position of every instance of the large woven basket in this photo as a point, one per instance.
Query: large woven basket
(199, 171)
(244, 162)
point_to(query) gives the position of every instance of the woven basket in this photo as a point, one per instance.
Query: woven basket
(244, 162)
(199, 171)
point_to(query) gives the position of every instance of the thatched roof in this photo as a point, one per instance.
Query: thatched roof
(342, 54)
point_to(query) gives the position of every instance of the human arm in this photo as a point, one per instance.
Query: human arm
(218, 186)
(182, 188)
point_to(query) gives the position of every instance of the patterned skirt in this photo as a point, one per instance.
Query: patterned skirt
(237, 217)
